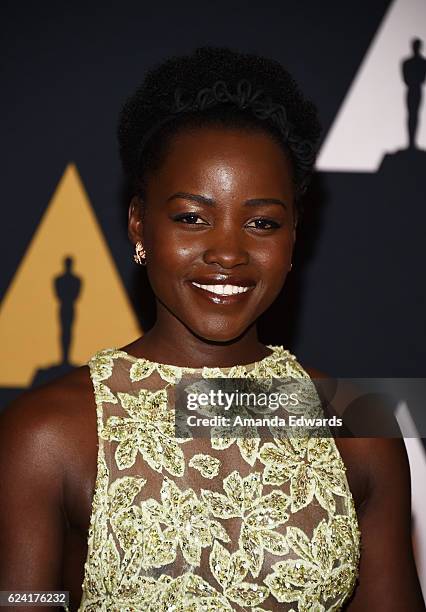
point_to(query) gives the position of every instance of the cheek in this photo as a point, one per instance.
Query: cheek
(169, 260)
(274, 263)
(275, 256)
(166, 250)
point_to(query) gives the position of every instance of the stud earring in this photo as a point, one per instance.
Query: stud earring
(291, 265)
(140, 254)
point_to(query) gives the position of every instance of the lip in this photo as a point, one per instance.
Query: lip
(215, 298)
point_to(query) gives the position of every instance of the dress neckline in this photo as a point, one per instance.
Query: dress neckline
(278, 352)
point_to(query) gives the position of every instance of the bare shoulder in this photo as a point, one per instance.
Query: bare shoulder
(50, 416)
(52, 401)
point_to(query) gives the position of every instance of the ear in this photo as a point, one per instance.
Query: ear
(135, 223)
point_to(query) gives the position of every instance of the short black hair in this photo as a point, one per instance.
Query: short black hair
(155, 112)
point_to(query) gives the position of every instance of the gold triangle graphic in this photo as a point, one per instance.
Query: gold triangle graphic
(30, 328)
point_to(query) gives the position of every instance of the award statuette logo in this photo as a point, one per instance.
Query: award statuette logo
(50, 319)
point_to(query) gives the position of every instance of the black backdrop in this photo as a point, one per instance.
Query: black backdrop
(354, 305)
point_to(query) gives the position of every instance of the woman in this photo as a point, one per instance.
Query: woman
(219, 147)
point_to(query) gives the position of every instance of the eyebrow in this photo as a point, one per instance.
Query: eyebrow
(183, 195)
(262, 201)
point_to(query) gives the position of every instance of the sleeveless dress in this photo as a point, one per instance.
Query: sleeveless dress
(211, 524)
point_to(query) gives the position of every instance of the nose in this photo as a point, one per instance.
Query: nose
(226, 248)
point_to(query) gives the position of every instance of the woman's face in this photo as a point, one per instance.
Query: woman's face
(218, 230)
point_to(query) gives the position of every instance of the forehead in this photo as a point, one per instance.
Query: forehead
(219, 161)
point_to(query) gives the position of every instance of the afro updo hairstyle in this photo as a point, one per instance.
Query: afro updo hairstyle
(150, 117)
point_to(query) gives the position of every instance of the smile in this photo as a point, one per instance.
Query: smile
(222, 289)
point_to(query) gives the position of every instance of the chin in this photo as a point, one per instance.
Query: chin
(214, 334)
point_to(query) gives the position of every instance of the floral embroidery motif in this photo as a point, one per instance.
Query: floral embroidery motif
(248, 444)
(142, 369)
(101, 367)
(315, 575)
(259, 514)
(278, 530)
(196, 592)
(111, 578)
(187, 521)
(207, 466)
(149, 430)
(312, 467)
(230, 571)
(132, 524)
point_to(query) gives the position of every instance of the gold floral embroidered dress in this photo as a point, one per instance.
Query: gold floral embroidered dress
(211, 524)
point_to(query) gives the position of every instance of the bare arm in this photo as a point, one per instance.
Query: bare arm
(388, 577)
(31, 494)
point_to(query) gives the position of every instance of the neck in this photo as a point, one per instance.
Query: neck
(176, 345)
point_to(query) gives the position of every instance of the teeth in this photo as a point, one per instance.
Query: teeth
(222, 289)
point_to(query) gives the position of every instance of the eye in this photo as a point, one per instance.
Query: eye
(189, 219)
(263, 224)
